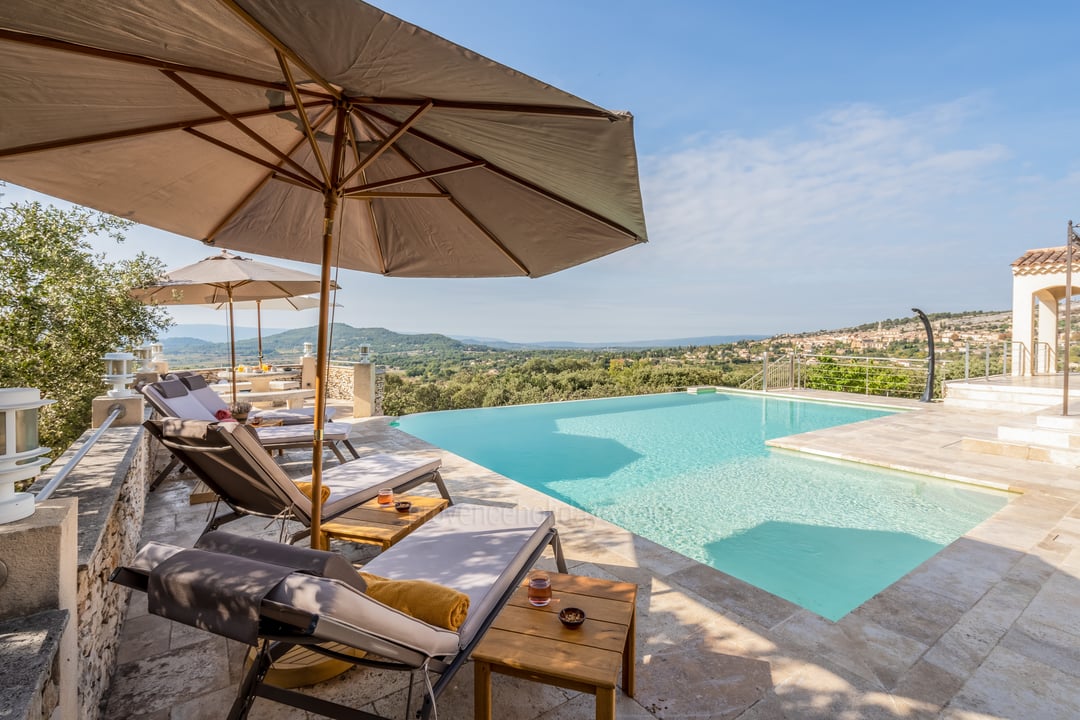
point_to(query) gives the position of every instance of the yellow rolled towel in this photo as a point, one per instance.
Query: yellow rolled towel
(433, 603)
(305, 487)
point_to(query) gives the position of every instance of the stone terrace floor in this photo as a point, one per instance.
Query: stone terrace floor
(988, 628)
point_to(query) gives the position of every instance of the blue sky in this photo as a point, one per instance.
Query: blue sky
(803, 165)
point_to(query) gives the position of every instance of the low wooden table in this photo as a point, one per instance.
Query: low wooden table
(530, 642)
(383, 525)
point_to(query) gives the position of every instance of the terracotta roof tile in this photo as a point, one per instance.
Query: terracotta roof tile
(1045, 260)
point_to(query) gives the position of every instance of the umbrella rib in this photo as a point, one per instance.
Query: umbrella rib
(352, 132)
(426, 175)
(523, 108)
(308, 132)
(247, 198)
(131, 59)
(280, 46)
(367, 195)
(512, 177)
(468, 215)
(205, 100)
(389, 140)
(145, 130)
(255, 159)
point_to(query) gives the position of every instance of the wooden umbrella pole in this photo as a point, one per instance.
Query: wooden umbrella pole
(322, 361)
(232, 345)
(322, 355)
(258, 322)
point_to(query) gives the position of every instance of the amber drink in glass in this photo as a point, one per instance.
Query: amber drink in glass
(539, 589)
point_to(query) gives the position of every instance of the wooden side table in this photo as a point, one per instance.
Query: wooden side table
(382, 525)
(530, 642)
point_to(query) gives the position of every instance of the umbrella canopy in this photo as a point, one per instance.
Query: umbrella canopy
(227, 277)
(318, 130)
(299, 302)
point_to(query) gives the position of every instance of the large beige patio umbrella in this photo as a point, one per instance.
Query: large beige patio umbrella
(319, 130)
(227, 278)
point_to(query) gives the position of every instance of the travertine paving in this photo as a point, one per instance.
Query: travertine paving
(988, 628)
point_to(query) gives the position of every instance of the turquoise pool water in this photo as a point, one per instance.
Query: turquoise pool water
(692, 473)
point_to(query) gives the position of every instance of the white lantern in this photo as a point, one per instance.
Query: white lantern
(144, 355)
(365, 352)
(19, 454)
(118, 373)
(157, 358)
(307, 350)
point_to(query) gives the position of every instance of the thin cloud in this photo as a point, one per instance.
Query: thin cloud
(843, 178)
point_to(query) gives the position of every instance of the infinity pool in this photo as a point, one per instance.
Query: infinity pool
(693, 473)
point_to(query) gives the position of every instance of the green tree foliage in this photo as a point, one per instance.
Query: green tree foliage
(62, 307)
(569, 375)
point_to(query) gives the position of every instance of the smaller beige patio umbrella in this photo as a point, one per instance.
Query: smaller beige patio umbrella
(228, 279)
(299, 302)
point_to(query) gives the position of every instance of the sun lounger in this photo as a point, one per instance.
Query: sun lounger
(279, 597)
(229, 458)
(197, 386)
(171, 398)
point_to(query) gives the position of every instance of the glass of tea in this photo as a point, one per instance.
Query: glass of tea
(386, 496)
(539, 589)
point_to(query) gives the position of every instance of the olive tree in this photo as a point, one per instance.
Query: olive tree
(63, 306)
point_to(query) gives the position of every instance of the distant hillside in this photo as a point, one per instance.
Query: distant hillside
(636, 344)
(214, 332)
(434, 350)
(288, 346)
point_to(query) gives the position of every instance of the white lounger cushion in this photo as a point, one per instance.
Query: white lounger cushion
(370, 473)
(284, 434)
(206, 395)
(477, 549)
(189, 407)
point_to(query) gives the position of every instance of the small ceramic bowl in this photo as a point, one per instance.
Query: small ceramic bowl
(572, 617)
(403, 506)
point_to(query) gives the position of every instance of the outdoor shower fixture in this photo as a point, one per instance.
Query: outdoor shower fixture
(19, 454)
(118, 373)
(928, 392)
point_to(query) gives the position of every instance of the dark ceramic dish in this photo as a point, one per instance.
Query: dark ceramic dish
(572, 617)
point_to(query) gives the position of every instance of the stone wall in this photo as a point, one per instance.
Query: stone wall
(340, 385)
(110, 483)
(339, 382)
(380, 389)
(29, 663)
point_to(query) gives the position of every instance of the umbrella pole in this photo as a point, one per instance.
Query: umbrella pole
(258, 321)
(232, 346)
(322, 362)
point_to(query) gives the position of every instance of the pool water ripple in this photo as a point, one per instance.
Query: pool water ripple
(693, 473)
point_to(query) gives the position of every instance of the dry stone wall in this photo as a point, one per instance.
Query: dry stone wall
(111, 484)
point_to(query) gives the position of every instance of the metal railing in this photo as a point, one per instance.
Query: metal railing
(888, 377)
(115, 412)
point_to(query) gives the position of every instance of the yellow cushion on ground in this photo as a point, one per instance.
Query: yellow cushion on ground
(433, 603)
(305, 487)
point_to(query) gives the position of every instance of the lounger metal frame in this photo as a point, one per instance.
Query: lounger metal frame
(164, 411)
(285, 512)
(281, 628)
